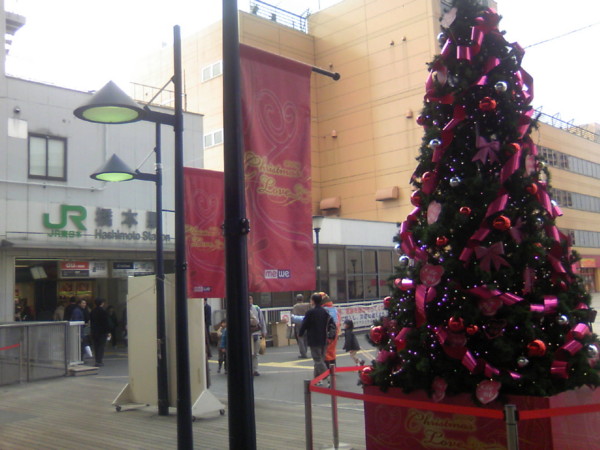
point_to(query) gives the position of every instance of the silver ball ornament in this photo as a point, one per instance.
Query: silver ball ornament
(403, 261)
(442, 38)
(455, 182)
(562, 320)
(434, 143)
(538, 223)
(592, 350)
(398, 249)
(501, 86)
(522, 361)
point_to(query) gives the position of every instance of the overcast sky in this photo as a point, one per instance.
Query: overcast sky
(82, 44)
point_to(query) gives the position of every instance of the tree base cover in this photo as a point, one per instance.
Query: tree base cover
(395, 427)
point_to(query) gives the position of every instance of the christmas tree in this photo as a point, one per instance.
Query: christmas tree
(485, 298)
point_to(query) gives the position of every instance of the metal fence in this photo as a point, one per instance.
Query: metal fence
(280, 16)
(31, 351)
(274, 315)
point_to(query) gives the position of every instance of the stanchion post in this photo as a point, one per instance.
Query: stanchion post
(511, 417)
(308, 432)
(334, 411)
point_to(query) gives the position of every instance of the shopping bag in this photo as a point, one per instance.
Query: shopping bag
(263, 346)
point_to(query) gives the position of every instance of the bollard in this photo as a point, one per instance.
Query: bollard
(511, 416)
(308, 432)
(334, 411)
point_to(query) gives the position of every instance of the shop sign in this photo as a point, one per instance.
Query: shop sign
(588, 263)
(74, 269)
(83, 269)
(123, 269)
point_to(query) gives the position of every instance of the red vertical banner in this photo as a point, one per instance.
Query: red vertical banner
(276, 121)
(205, 245)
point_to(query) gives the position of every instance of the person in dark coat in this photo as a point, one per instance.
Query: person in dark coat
(350, 342)
(100, 330)
(315, 325)
(69, 309)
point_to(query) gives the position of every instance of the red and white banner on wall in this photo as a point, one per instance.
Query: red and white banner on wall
(205, 245)
(276, 124)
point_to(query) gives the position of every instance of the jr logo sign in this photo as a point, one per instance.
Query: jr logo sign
(77, 214)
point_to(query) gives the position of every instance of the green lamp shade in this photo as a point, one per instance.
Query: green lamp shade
(110, 105)
(114, 177)
(114, 170)
(110, 114)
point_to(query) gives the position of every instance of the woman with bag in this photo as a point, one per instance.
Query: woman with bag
(258, 332)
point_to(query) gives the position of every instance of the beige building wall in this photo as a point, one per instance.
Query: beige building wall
(364, 135)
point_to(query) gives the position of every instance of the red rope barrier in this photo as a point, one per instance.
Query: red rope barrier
(9, 347)
(454, 409)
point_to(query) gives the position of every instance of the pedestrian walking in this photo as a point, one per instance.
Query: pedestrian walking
(299, 311)
(258, 330)
(350, 342)
(315, 326)
(100, 330)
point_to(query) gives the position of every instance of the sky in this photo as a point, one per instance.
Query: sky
(82, 44)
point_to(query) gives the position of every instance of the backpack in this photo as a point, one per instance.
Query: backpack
(331, 329)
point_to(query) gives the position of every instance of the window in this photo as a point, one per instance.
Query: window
(47, 157)
(214, 138)
(212, 71)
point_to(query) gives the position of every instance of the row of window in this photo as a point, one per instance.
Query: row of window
(346, 274)
(574, 200)
(583, 238)
(212, 71)
(571, 163)
(47, 157)
(214, 138)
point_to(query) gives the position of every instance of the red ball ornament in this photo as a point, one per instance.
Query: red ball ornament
(563, 286)
(456, 324)
(421, 120)
(400, 343)
(513, 148)
(365, 376)
(532, 189)
(501, 223)
(441, 241)
(472, 329)
(536, 348)
(487, 104)
(465, 210)
(416, 198)
(376, 334)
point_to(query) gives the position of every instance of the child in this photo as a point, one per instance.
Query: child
(222, 346)
(350, 341)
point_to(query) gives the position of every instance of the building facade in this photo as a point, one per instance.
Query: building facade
(364, 135)
(63, 234)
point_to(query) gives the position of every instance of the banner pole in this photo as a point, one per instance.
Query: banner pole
(308, 431)
(511, 416)
(334, 411)
(240, 388)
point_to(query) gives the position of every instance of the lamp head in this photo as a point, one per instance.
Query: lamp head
(317, 222)
(113, 170)
(110, 105)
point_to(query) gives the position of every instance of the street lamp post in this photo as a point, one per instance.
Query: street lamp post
(317, 224)
(116, 170)
(110, 105)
